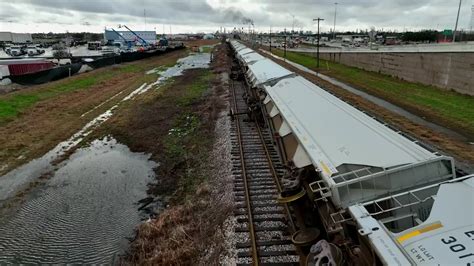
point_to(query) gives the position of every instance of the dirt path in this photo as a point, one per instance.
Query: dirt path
(42, 126)
(462, 152)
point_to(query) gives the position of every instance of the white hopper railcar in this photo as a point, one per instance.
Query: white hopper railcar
(343, 161)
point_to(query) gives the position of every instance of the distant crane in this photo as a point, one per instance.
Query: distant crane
(129, 44)
(145, 43)
(457, 19)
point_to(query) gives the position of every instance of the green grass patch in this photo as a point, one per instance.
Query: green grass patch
(187, 146)
(196, 88)
(451, 106)
(13, 104)
(180, 134)
(11, 107)
(131, 69)
(187, 143)
(206, 48)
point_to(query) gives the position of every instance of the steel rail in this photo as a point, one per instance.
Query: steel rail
(274, 174)
(275, 177)
(255, 259)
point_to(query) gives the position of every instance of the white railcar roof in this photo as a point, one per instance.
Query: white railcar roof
(234, 43)
(244, 51)
(334, 133)
(238, 46)
(265, 70)
(252, 57)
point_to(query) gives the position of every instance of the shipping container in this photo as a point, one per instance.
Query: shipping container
(22, 69)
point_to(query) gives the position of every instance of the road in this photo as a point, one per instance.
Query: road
(408, 48)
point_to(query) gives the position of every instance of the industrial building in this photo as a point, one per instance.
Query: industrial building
(11, 37)
(113, 36)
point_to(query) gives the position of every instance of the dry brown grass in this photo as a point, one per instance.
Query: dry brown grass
(182, 234)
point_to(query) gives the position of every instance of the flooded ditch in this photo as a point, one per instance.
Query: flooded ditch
(85, 211)
(89, 204)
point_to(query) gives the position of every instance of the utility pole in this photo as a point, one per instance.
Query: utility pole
(285, 42)
(457, 18)
(317, 47)
(270, 39)
(335, 15)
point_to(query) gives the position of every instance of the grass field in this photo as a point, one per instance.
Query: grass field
(453, 108)
(13, 104)
(34, 119)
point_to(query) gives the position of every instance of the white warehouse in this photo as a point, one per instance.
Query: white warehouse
(6, 36)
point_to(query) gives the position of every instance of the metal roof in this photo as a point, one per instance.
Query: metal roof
(244, 51)
(252, 57)
(236, 45)
(266, 70)
(334, 133)
(239, 46)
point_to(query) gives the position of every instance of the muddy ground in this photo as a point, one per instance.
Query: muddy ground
(461, 151)
(177, 126)
(42, 126)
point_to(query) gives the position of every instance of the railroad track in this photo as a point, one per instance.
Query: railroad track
(264, 226)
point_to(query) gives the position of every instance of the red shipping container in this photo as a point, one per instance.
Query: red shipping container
(21, 69)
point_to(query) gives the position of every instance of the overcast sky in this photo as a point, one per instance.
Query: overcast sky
(209, 15)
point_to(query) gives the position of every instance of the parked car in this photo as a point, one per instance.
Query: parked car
(33, 50)
(17, 51)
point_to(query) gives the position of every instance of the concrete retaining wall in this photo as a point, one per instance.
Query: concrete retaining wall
(444, 70)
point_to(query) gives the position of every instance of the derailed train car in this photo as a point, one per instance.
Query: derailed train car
(378, 195)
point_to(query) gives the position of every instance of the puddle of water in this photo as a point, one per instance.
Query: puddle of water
(398, 110)
(15, 179)
(192, 61)
(85, 211)
(19, 177)
(199, 60)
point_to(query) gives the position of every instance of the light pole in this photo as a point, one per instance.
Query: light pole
(335, 15)
(457, 18)
(293, 25)
(472, 18)
(317, 47)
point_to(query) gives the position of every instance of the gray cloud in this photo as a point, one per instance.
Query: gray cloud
(360, 14)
